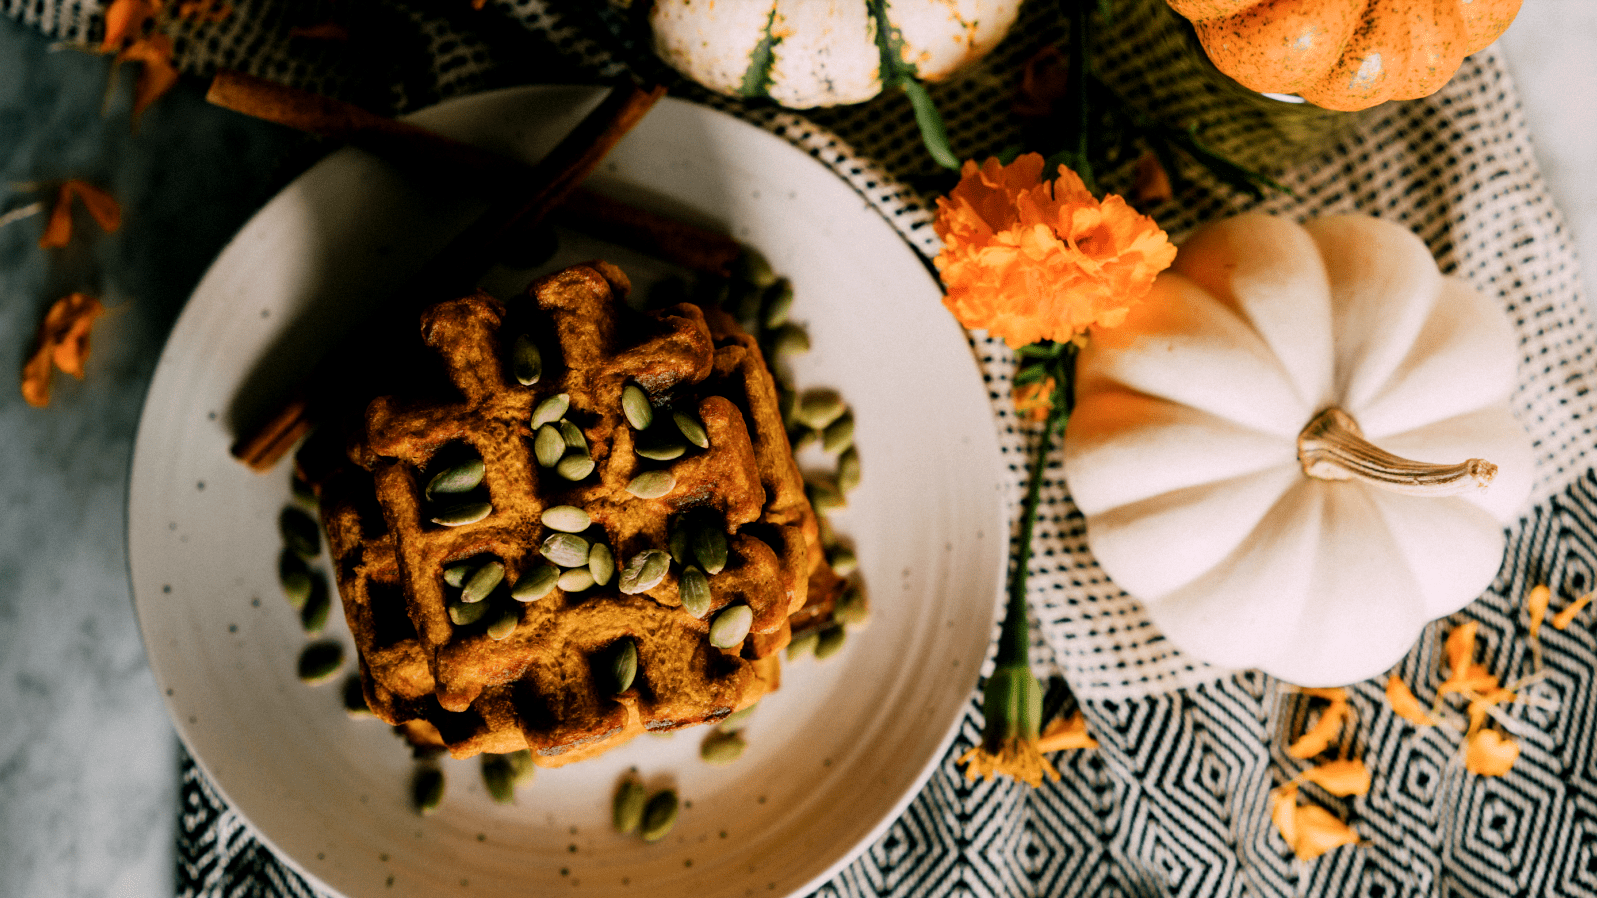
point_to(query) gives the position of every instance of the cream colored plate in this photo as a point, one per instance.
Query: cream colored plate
(833, 757)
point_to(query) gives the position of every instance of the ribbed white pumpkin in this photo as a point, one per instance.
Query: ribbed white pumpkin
(1183, 449)
(806, 53)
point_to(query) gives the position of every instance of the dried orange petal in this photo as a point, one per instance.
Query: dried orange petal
(1404, 704)
(124, 21)
(1283, 813)
(1063, 734)
(1536, 605)
(106, 211)
(157, 75)
(1319, 831)
(1153, 182)
(1319, 737)
(62, 341)
(1489, 753)
(58, 232)
(1347, 776)
(1567, 616)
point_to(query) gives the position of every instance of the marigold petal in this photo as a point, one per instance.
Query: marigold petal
(106, 211)
(1319, 831)
(1064, 734)
(1016, 758)
(124, 20)
(1405, 704)
(1536, 606)
(157, 75)
(1152, 181)
(1567, 616)
(62, 341)
(1283, 813)
(1489, 753)
(1343, 777)
(1319, 737)
(58, 231)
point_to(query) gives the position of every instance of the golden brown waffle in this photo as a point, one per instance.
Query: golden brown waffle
(539, 673)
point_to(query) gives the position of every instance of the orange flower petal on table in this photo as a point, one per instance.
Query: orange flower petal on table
(1030, 260)
(1044, 82)
(208, 11)
(1283, 813)
(1319, 831)
(1404, 704)
(157, 75)
(63, 342)
(1344, 777)
(124, 21)
(1319, 737)
(324, 31)
(1536, 606)
(1153, 182)
(1489, 753)
(1064, 734)
(105, 210)
(1567, 616)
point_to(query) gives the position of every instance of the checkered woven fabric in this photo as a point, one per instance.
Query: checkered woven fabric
(1175, 801)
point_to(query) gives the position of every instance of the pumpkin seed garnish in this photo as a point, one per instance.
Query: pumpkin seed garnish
(729, 627)
(499, 778)
(823, 493)
(320, 660)
(355, 698)
(842, 560)
(694, 587)
(536, 583)
(839, 434)
(318, 604)
(548, 445)
(526, 361)
(818, 408)
(566, 518)
(459, 515)
(662, 451)
(627, 812)
(295, 577)
(572, 434)
(848, 470)
(850, 607)
(455, 574)
(753, 267)
(644, 572)
(677, 540)
(461, 478)
(659, 815)
(778, 303)
(464, 614)
(505, 624)
(565, 549)
(300, 532)
(427, 789)
(802, 644)
(829, 641)
(789, 340)
(721, 747)
(482, 582)
(578, 579)
(652, 484)
(691, 429)
(576, 466)
(709, 546)
(551, 410)
(623, 665)
(735, 721)
(601, 564)
(636, 406)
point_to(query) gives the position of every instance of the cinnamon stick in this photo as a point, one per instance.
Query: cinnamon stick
(526, 198)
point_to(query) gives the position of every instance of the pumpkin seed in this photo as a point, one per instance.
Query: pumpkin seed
(301, 488)
(694, 588)
(709, 546)
(829, 641)
(789, 340)
(601, 564)
(677, 541)
(819, 407)
(572, 434)
(565, 549)
(850, 607)
(787, 405)
(691, 428)
(669, 450)
(742, 301)
(482, 582)
(548, 446)
(800, 437)
(355, 698)
(735, 721)
(295, 577)
(753, 267)
(551, 410)
(721, 747)
(731, 626)
(318, 604)
(499, 778)
(460, 515)
(778, 299)
(627, 812)
(848, 470)
(300, 532)
(461, 478)
(644, 572)
(455, 574)
(578, 579)
(652, 484)
(636, 406)
(802, 644)
(623, 665)
(839, 434)
(505, 624)
(427, 789)
(659, 815)
(842, 560)
(566, 518)
(823, 494)
(536, 583)
(575, 467)
(526, 361)
(463, 614)
(320, 660)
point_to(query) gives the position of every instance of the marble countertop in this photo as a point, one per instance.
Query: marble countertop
(88, 759)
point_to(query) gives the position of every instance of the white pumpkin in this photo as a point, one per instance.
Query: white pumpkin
(807, 53)
(1206, 499)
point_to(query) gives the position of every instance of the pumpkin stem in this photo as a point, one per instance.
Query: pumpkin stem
(1332, 447)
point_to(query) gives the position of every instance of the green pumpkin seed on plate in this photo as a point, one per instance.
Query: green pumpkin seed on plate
(550, 410)
(720, 747)
(566, 549)
(320, 660)
(623, 659)
(460, 478)
(465, 513)
(566, 518)
(730, 626)
(578, 579)
(548, 446)
(426, 789)
(576, 466)
(659, 815)
(636, 407)
(526, 361)
(694, 588)
(627, 811)
(818, 408)
(482, 582)
(535, 583)
(505, 624)
(691, 428)
(601, 564)
(829, 641)
(300, 532)
(652, 484)
(644, 572)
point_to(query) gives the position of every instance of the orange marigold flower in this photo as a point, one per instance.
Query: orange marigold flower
(1030, 260)
(1490, 753)
(105, 211)
(1404, 704)
(1319, 737)
(62, 341)
(1308, 829)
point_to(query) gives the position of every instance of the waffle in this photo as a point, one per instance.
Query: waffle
(542, 673)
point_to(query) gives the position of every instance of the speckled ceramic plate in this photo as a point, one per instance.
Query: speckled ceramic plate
(833, 756)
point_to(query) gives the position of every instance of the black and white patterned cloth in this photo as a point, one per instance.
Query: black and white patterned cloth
(1176, 800)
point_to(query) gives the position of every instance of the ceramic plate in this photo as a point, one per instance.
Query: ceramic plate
(833, 757)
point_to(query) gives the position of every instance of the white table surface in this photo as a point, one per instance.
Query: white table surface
(87, 758)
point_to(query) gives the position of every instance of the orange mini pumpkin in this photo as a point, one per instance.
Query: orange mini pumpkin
(1345, 54)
